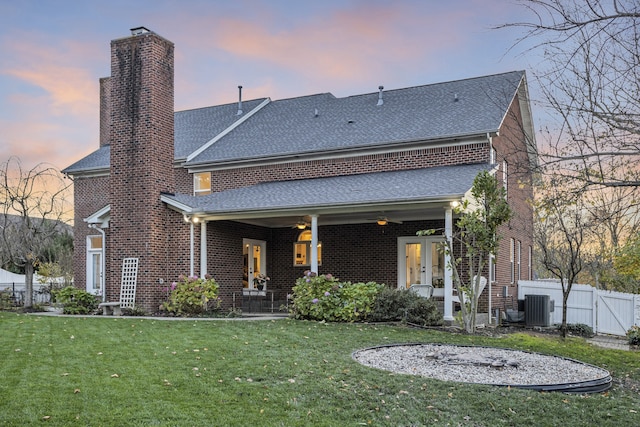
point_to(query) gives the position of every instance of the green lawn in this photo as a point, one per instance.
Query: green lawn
(96, 371)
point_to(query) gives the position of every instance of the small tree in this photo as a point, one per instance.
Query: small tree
(562, 228)
(32, 207)
(477, 233)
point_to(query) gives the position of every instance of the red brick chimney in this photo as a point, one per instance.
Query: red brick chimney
(105, 110)
(141, 138)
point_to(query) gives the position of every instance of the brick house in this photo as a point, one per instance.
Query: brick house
(335, 185)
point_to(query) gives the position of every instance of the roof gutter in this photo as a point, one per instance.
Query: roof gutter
(327, 154)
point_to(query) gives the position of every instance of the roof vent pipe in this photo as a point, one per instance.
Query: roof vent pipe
(239, 100)
(380, 101)
(455, 97)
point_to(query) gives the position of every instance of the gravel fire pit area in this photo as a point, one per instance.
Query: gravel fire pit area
(487, 365)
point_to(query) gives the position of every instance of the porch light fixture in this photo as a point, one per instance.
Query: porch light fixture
(191, 219)
(382, 221)
(301, 225)
(454, 204)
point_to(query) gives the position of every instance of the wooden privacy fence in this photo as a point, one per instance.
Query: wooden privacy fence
(607, 312)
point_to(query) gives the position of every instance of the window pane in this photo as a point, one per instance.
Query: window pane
(202, 183)
(95, 242)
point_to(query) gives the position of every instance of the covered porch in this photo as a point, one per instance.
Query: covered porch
(357, 227)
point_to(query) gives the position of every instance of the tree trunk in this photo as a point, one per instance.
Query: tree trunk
(28, 284)
(563, 327)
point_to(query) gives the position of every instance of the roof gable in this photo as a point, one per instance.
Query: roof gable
(322, 123)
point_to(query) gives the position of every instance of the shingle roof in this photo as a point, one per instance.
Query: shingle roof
(290, 126)
(379, 188)
(443, 110)
(194, 128)
(97, 160)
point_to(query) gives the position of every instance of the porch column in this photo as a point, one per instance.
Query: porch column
(314, 243)
(191, 255)
(203, 249)
(448, 276)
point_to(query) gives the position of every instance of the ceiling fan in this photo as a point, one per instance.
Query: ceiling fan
(301, 224)
(383, 220)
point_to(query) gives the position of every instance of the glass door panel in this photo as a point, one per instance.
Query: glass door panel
(254, 260)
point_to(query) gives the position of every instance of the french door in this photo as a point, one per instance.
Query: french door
(254, 253)
(420, 262)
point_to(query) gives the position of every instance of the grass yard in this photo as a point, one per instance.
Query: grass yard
(96, 371)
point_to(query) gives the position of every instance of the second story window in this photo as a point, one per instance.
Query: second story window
(201, 183)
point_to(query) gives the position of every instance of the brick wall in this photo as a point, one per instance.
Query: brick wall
(90, 195)
(411, 159)
(510, 145)
(141, 136)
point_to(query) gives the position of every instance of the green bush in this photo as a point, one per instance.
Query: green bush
(403, 305)
(192, 296)
(633, 335)
(5, 300)
(75, 301)
(324, 297)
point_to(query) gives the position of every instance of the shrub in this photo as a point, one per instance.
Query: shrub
(324, 297)
(633, 335)
(403, 305)
(192, 296)
(6, 302)
(579, 329)
(133, 311)
(75, 301)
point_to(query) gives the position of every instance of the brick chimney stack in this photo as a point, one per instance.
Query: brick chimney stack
(105, 110)
(141, 134)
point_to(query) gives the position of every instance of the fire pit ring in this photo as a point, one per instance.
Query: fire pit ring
(487, 365)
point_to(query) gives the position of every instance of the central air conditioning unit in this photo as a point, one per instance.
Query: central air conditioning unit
(537, 310)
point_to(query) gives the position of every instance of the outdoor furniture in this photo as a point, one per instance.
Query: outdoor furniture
(127, 289)
(425, 291)
(456, 296)
(254, 300)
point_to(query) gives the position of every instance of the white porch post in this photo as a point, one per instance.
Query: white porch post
(448, 274)
(203, 249)
(191, 255)
(314, 243)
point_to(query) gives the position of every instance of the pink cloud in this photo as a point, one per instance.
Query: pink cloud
(366, 41)
(61, 73)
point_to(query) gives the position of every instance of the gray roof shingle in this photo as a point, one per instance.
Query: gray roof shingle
(379, 188)
(291, 126)
(443, 110)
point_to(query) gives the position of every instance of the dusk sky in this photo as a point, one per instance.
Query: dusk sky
(52, 53)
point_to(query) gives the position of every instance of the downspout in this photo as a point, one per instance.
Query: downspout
(102, 260)
(491, 259)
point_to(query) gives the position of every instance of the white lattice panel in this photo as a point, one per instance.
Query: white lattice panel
(128, 284)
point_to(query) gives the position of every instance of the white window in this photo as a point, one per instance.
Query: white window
(302, 250)
(529, 262)
(201, 183)
(504, 176)
(512, 250)
(492, 268)
(94, 264)
(518, 259)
